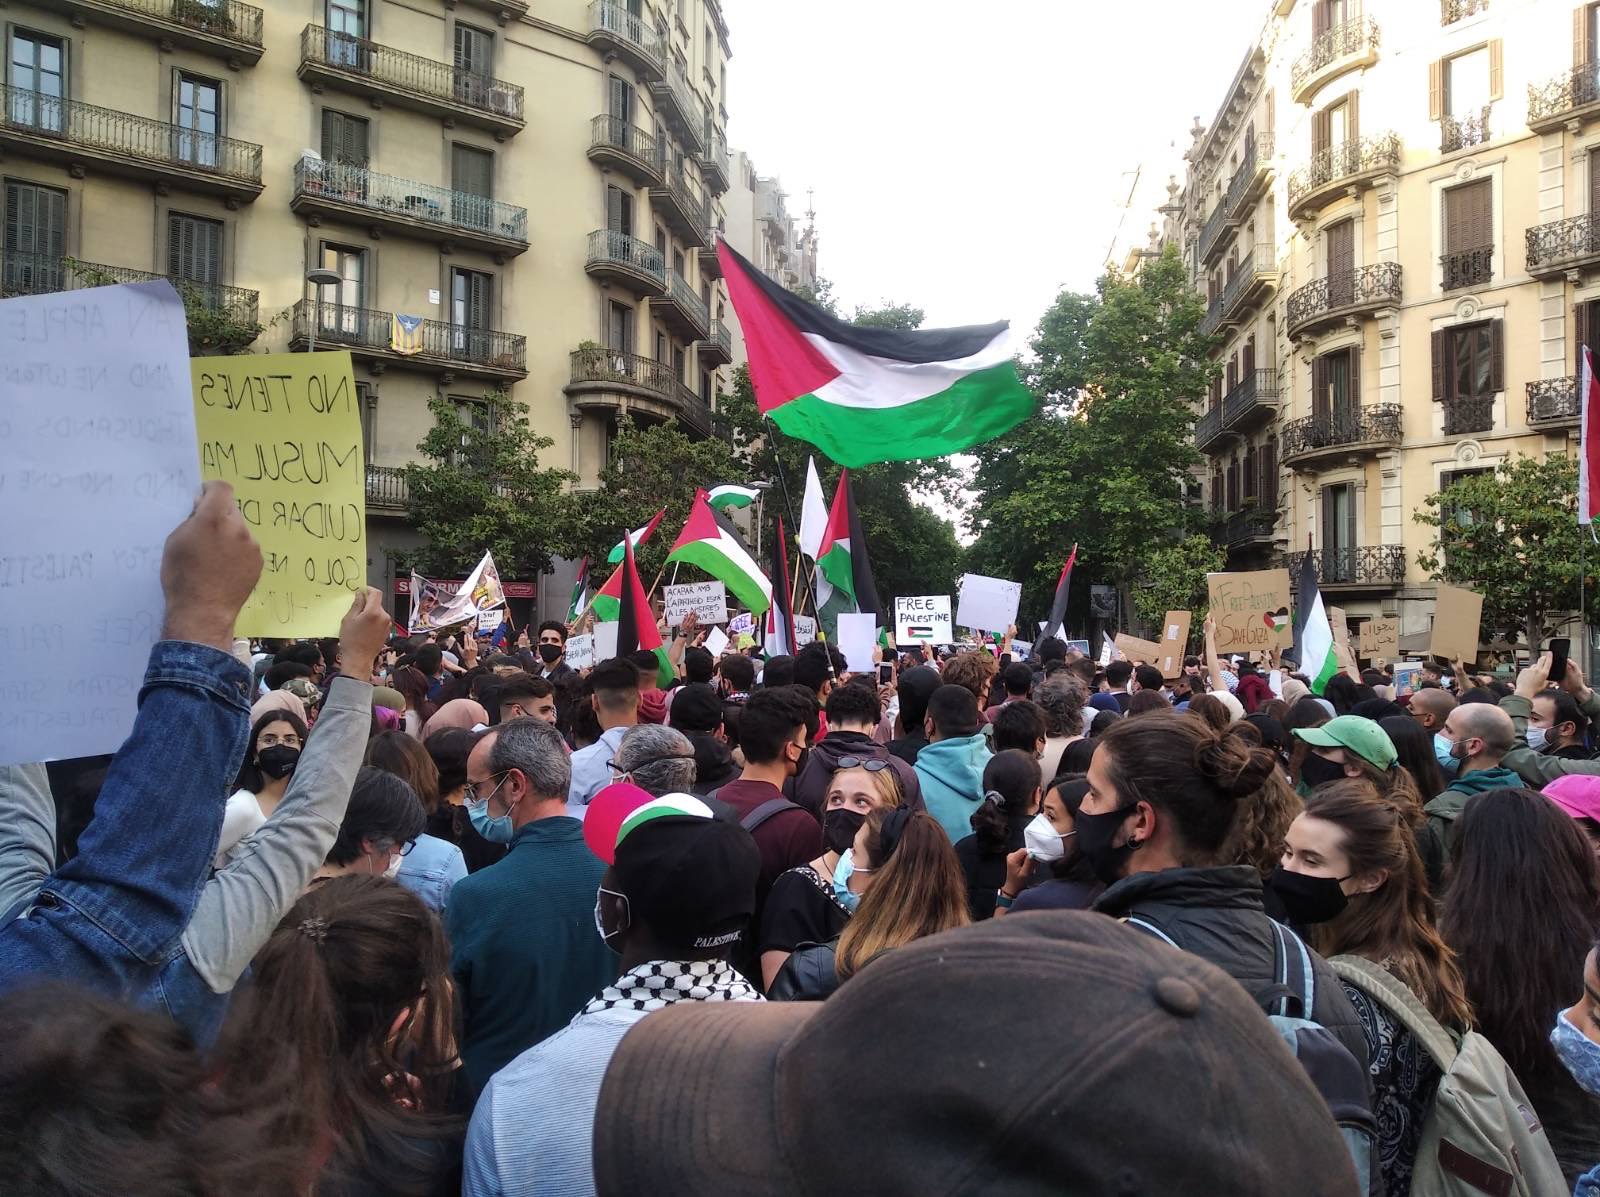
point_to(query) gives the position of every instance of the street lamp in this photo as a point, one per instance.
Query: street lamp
(319, 278)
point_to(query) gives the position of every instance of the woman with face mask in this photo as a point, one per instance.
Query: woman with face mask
(1051, 849)
(812, 902)
(380, 825)
(1576, 1039)
(276, 739)
(1008, 816)
(1352, 880)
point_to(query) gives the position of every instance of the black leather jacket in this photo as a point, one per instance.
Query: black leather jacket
(807, 976)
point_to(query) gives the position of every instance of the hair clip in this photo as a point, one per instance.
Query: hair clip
(316, 929)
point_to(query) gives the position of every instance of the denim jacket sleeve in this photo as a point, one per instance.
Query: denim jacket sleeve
(27, 836)
(110, 916)
(244, 900)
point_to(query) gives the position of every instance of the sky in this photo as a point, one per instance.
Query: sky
(975, 158)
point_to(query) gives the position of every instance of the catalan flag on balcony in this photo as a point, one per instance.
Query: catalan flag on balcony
(872, 394)
(405, 334)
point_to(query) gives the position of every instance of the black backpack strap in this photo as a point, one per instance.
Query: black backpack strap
(773, 806)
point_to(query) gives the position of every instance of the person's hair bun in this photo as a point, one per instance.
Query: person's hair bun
(1235, 766)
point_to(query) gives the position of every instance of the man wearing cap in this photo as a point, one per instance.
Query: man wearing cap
(679, 890)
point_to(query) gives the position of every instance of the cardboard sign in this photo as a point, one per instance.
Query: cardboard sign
(923, 619)
(988, 604)
(805, 630)
(580, 651)
(1381, 638)
(1174, 642)
(716, 642)
(743, 622)
(1251, 610)
(708, 601)
(1132, 648)
(1339, 624)
(1455, 624)
(858, 635)
(97, 465)
(605, 642)
(285, 429)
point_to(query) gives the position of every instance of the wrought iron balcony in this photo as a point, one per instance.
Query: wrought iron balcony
(1339, 168)
(615, 30)
(1473, 413)
(40, 126)
(681, 310)
(618, 258)
(225, 29)
(710, 264)
(1462, 132)
(1252, 525)
(354, 194)
(41, 274)
(1563, 245)
(385, 74)
(694, 413)
(676, 100)
(1342, 48)
(1211, 242)
(1212, 320)
(387, 489)
(1250, 181)
(681, 204)
(1341, 433)
(611, 380)
(1451, 11)
(1349, 293)
(625, 147)
(714, 162)
(1249, 285)
(1252, 402)
(449, 348)
(1553, 403)
(1467, 268)
(1574, 96)
(1208, 432)
(717, 349)
(1363, 566)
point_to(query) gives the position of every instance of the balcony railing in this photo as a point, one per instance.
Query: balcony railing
(681, 201)
(408, 200)
(1211, 234)
(215, 22)
(1252, 523)
(1553, 402)
(46, 119)
(41, 274)
(1451, 11)
(1472, 413)
(1468, 267)
(694, 411)
(597, 365)
(1352, 39)
(387, 488)
(720, 341)
(410, 75)
(1347, 160)
(1461, 132)
(685, 311)
(1563, 244)
(1348, 291)
(1554, 102)
(1255, 394)
(624, 144)
(611, 24)
(1208, 428)
(1212, 320)
(364, 329)
(1363, 565)
(613, 251)
(1246, 279)
(1378, 423)
(1258, 154)
(674, 93)
(714, 162)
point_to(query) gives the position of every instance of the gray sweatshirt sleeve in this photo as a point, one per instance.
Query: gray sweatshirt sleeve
(1536, 768)
(27, 834)
(243, 901)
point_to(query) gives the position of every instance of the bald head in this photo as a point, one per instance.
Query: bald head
(1432, 706)
(1483, 732)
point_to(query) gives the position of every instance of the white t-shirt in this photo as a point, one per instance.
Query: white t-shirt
(240, 817)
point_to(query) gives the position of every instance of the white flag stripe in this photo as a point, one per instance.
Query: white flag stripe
(867, 381)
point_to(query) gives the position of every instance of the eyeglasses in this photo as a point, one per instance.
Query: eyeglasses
(472, 786)
(871, 764)
(644, 764)
(272, 740)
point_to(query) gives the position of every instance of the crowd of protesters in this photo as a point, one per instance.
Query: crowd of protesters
(427, 915)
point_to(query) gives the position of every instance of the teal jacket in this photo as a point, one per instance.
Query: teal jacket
(1437, 843)
(951, 772)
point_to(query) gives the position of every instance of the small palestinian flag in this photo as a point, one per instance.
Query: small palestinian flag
(636, 538)
(608, 602)
(872, 394)
(708, 542)
(1058, 605)
(580, 592)
(731, 498)
(636, 626)
(843, 571)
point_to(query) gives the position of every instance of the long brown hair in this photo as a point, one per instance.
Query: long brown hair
(919, 890)
(404, 756)
(1393, 925)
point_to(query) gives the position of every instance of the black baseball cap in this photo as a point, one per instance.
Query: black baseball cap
(696, 708)
(690, 878)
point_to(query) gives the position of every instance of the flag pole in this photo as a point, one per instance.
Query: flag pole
(656, 583)
(788, 506)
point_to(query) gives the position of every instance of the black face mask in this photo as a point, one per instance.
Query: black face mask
(550, 653)
(1316, 770)
(839, 828)
(278, 761)
(1094, 841)
(1306, 899)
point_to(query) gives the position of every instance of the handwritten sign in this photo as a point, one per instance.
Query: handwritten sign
(923, 619)
(1456, 618)
(708, 601)
(1251, 610)
(1174, 642)
(1381, 638)
(1132, 648)
(805, 630)
(988, 604)
(580, 651)
(743, 622)
(285, 430)
(605, 642)
(97, 466)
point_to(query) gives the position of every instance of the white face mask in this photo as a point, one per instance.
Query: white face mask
(1043, 841)
(394, 864)
(1537, 737)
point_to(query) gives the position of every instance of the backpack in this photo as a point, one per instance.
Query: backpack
(1481, 1135)
(1345, 1086)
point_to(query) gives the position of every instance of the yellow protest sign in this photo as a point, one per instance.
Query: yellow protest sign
(285, 430)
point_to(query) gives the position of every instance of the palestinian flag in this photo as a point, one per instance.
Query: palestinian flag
(779, 640)
(709, 543)
(1058, 605)
(1588, 441)
(1313, 635)
(636, 626)
(636, 538)
(580, 593)
(872, 394)
(731, 498)
(608, 602)
(843, 571)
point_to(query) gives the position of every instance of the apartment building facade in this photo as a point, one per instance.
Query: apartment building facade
(1394, 220)
(535, 189)
(761, 228)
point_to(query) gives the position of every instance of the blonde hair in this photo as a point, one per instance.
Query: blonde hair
(883, 780)
(919, 891)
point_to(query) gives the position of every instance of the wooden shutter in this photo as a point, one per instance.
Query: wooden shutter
(344, 138)
(1355, 378)
(1353, 115)
(1497, 355)
(478, 295)
(1341, 249)
(1594, 182)
(1319, 387)
(474, 52)
(1250, 475)
(1269, 473)
(1436, 89)
(619, 211)
(1442, 372)
(1321, 131)
(1580, 35)
(1319, 18)
(1248, 357)
(621, 100)
(1469, 216)
(36, 221)
(1233, 372)
(194, 248)
(1497, 74)
(472, 170)
(1580, 335)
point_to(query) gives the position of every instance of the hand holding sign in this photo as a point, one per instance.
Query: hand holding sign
(209, 566)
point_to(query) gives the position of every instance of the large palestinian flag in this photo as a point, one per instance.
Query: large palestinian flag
(872, 394)
(844, 573)
(636, 625)
(709, 542)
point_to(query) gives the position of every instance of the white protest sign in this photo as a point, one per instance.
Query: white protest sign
(580, 651)
(858, 635)
(100, 462)
(988, 604)
(490, 621)
(708, 601)
(743, 622)
(605, 642)
(716, 641)
(805, 630)
(923, 619)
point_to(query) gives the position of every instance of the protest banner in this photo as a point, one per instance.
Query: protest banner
(1251, 610)
(285, 430)
(988, 604)
(580, 651)
(858, 636)
(742, 622)
(1380, 638)
(1456, 617)
(1134, 649)
(1174, 642)
(923, 619)
(805, 630)
(708, 601)
(99, 463)
(441, 605)
(716, 641)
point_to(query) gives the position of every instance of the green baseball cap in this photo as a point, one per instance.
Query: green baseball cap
(1360, 736)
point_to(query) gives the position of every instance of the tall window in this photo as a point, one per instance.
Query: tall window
(1341, 264)
(619, 211)
(347, 27)
(1335, 387)
(474, 64)
(35, 239)
(340, 304)
(472, 177)
(1338, 533)
(199, 105)
(1466, 83)
(38, 80)
(1329, 13)
(1468, 235)
(1467, 373)
(344, 138)
(470, 292)
(677, 262)
(620, 98)
(194, 247)
(619, 327)
(678, 363)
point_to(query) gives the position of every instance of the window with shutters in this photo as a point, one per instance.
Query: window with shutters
(1468, 371)
(1268, 486)
(1585, 326)
(35, 240)
(1335, 393)
(367, 405)
(1340, 249)
(472, 177)
(663, 350)
(619, 327)
(1233, 485)
(705, 387)
(1468, 259)
(470, 294)
(678, 363)
(1250, 479)
(1218, 495)
(199, 119)
(620, 103)
(340, 306)
(344, 138)
(36, 70)
(619, 212)
(1337, 563)
(474, 64)
(346, 22)
(194, 248)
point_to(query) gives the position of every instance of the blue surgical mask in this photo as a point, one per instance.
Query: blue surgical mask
(495, 829)
(1441, 753)
(1578, 1052)
(1537, 737)
(841, 880)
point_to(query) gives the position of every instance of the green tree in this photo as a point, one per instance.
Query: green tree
(484, 489)
(1514, 537)
(1174, 579)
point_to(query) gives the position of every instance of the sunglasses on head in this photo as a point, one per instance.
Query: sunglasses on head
(871, 764)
